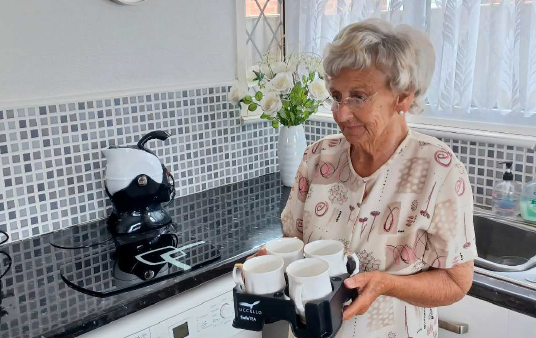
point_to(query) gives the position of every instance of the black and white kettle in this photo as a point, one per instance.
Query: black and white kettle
(138, 185)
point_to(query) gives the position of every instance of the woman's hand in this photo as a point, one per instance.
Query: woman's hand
(370, 285)
(432, 288)
(262, 251)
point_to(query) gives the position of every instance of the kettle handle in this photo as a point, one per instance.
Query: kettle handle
(157, 134)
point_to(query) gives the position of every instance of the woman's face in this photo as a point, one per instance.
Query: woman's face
(377, 105)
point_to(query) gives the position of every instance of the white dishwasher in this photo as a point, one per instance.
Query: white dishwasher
(203, 312)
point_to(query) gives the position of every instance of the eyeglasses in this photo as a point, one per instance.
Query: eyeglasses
(353, 103)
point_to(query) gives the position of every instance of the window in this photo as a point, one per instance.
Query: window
(264, 29)
(485, 76)
(260, 31)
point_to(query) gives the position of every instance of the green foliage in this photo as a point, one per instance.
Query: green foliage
(252, 107)
(258, 96)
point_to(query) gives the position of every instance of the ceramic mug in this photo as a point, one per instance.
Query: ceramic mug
(333, 252)
(308, 279)
(288, 248)
(260, 275)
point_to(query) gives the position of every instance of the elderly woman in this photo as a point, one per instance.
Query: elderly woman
(399, 199)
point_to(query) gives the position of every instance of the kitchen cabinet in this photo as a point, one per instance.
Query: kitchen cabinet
(520, 325)
(486, 320)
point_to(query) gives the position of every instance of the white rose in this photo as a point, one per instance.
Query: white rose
(279, 67)
(282, 82)
(237, 93)
(318, 90)
(251, 76)
(271, 104)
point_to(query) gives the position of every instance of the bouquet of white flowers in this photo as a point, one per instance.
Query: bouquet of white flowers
(286, 92)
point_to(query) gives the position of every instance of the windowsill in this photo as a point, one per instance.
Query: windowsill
(440, 128)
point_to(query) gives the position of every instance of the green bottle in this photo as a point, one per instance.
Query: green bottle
(527, 203)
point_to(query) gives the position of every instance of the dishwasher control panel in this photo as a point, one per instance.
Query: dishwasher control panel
(213, 317)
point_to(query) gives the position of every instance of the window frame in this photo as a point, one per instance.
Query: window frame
(240, 6)
(241, 50)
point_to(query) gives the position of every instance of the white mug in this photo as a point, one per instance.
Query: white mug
(333, 252)
(308, 279)
(260, 275)
(288, 248)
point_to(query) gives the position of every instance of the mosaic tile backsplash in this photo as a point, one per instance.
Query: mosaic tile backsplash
(52, 168)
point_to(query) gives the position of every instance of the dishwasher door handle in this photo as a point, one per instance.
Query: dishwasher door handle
(452, 327)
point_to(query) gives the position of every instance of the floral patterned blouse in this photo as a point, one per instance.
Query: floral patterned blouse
(413, 213)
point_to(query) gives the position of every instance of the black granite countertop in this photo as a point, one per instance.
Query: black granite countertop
(237, 219)
(36, 302)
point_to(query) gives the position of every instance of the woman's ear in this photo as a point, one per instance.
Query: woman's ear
(405, 100)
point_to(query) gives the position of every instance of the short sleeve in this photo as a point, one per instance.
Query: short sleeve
(451, 235)
(292, 215)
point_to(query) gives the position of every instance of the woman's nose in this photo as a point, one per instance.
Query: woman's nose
(342, 113)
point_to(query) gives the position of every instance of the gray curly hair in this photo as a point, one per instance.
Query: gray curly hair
(404, 54)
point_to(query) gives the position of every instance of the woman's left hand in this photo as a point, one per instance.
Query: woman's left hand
(370, 285)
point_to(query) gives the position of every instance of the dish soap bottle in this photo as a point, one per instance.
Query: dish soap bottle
(506, 194)
(528, 202)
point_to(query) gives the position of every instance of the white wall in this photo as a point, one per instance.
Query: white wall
(53, 48)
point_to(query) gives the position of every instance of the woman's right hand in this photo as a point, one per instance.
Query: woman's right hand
(262, 251)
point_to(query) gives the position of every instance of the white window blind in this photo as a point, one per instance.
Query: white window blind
(485, 76)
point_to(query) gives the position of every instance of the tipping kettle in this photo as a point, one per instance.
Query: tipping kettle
(138, 185)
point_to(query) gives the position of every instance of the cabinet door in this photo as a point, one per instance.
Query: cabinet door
(484, 319)
(521, 326)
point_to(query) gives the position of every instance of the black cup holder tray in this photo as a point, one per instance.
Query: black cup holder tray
(323, 316)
